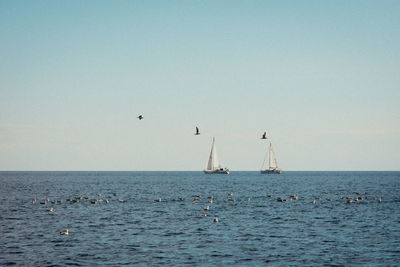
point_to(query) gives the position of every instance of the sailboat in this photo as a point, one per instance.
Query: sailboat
(273, 165)
(213, 166)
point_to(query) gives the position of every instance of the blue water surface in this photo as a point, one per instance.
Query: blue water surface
(253, 229)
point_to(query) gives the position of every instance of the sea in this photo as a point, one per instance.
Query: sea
(323, 218)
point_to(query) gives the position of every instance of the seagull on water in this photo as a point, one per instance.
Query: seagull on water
(64, 232)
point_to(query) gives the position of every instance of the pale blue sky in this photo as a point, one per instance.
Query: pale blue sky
(322, 77)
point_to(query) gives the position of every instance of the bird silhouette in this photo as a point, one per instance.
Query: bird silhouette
(140, 117)
(197, 131)
(264, 136)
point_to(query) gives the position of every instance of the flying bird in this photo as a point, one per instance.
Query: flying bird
(264, 136)
(197, 131)
(140, 117)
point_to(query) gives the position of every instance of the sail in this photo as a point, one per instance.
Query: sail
(272, 160)
(213, 162)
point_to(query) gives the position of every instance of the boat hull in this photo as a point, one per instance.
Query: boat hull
(224, 171)
(274, 171)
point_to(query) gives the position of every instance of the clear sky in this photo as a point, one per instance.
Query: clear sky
(321, 77)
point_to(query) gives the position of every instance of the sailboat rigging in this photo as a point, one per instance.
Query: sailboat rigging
(273, 165)
(213, 166)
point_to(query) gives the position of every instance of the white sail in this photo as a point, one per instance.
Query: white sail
(213, 162)
(272, 160)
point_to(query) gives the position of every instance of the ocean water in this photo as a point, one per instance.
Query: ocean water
(253, 229)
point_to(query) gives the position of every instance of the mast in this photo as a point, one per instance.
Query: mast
(272, 160)
(213, 162)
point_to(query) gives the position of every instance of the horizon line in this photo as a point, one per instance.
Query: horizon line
(193, 171)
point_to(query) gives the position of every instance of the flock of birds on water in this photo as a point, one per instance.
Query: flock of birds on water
(99, 200)
(347, 199)
(196, 198)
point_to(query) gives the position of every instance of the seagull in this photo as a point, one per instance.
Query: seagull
(64, 232)
(197, 131)
(140, 117)
(264, 136)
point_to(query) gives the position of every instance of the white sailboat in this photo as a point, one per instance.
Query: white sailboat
(273, 165)
(213, 166)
